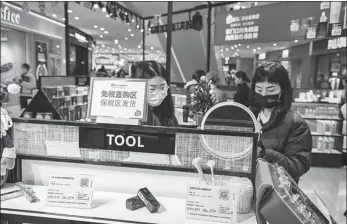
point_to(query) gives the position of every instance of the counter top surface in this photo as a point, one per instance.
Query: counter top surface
(108, 207)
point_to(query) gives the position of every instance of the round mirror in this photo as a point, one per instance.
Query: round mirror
(229, 116)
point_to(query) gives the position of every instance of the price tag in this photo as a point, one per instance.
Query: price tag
(336, 30)
(311, 33)
(73, 191)
(212, 203)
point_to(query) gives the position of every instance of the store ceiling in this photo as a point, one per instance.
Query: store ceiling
(249, 50)
(128, 36)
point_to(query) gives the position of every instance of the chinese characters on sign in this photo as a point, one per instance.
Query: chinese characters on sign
(242, 27)
(175, 27)
(118, 98)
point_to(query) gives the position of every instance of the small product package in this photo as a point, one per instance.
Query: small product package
(134, 203)
(149, 200)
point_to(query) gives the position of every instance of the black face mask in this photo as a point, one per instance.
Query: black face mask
(268, 101)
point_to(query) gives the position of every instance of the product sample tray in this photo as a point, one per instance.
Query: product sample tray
(108, 207)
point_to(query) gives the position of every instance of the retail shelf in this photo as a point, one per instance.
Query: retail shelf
(326, 135)
(320, 118)
(316, 103)
(330, 151)
(58, 97)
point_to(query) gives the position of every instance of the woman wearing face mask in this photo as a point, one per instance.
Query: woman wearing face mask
(242, 93)
(286, 138)
(161, 107)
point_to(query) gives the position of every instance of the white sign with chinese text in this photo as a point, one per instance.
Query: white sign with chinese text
(118, 98)
(212, 203)
(72, 191)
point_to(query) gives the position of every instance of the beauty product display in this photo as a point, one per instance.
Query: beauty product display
(197, 163)
(70, 101)
(10, 192)
(134, 203)
(149, 200)
(325, 144)
(28, 192)
(327, 96)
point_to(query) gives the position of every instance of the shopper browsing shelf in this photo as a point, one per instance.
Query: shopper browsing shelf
(286, 138)
(28, 84)
(242, 93)
(161, 107)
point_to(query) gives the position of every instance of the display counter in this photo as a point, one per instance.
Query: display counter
(52, 146)
(108, 208)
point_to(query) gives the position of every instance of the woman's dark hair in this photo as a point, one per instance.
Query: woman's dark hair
(242, 75)
(147, 70)
(273, 72)
(197, 75)
(26, 66)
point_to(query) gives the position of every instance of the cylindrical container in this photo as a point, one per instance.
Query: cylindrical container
(74, 100)
(48, 116)
(61, 103)
(60, 91)
(72, 113)
(65, 114)
(28, 114)
(40, 115)
(78, 112)
(84, 109)
(85, 98)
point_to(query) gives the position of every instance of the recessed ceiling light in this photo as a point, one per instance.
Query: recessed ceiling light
(69, 11)
(239, 44)
(103, 9)
(126, 13)
(54, 15)
(121, 51)
(232, 48)
(295, 41)
(141, 30)
(113, 49)
(259, 48)
(152, 48)
(227, 49)
(275, 44)
(101, 36)
(125, 48)
(132, 35)
(139, 46)
(116, 41)
(95, 26)
(63, 19)
(235, 45)
(238, 49)
(138, 26)
(102, 45)
(106, 32)
(254, 50)
(133, 20)
(337, 55)
(58, 46)
(126, 38)
(76, 18)
(247, 46)
(221, 50)
(102, 29)
(129, 30)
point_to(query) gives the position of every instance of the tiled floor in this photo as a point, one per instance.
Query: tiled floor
(330, 184)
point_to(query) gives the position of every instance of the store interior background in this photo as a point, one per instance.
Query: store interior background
(95, 39)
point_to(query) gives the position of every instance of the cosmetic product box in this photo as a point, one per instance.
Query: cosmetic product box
(134, 203)
(149, 200)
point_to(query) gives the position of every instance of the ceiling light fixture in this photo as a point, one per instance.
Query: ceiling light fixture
(152, 48)
(54, 15)
(58, 46)
(235, 45)
(102, 29)
(76, 18)
(141, 30)
(247, 46)
(95, 26)
(106, 32)
(275, 44)
(296, 41)
(132, 35)
(139, 46)
(63, 19)
(69, 11)
(126, 38)
(239, 44)
(259, 48)
(103, 9)
(101, 36)
(129, 30)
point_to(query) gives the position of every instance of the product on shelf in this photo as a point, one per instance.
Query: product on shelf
(134, 203)
(149, 200)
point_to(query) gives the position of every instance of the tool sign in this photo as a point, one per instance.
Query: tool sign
(130, 140)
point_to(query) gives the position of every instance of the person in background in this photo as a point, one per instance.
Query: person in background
(161, 108)
(217, 94)
(190, 85)
(242, 93)
(28, 83)
(285, 138)
(121, 73)
(322, 83)
(102, 72)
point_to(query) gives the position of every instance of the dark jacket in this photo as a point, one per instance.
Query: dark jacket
(287, 141)
(242, 94)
